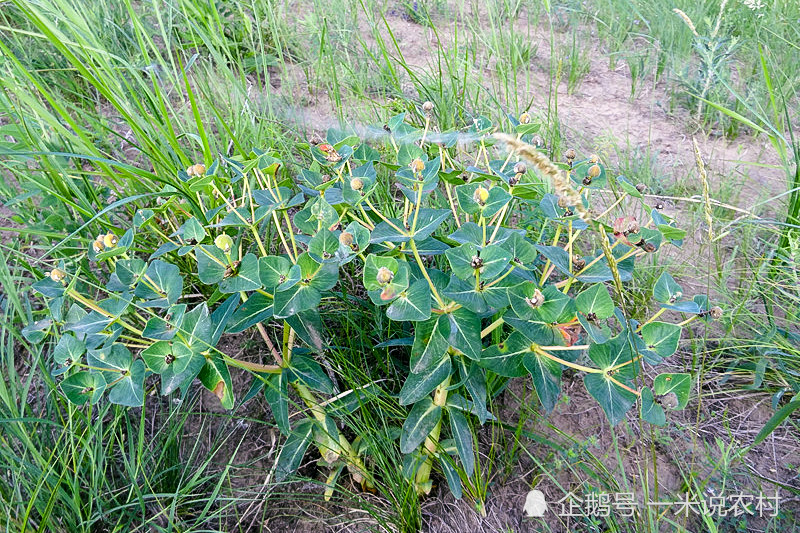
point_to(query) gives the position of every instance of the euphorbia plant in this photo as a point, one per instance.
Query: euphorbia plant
(504, 265)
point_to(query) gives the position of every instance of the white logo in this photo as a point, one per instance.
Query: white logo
(535, 505)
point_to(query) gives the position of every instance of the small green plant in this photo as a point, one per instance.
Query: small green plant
(428, 232)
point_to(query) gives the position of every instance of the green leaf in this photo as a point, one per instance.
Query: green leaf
(671, 232)
(307, 370)
(494, 259)
(221, 316)
(546, 375)
(612, 353)
(192, 231)
(308, 326)
(129, 271)
(161, 285)
(323, 245)
(158, 356)
(421, 420)
(474, 379)
(628, 187)
(68, 349)
(413, 304)
(171, 380)
(651, 411)
(678, 384)
(91, 323)
(129, 391)
(163, 355)
(430, 343)
(385, 232)
(498, 198)
(614, 400)
(317, 214)
(257, 308)
(465, 333)
(216, 377)
(462, 435)
(322, 276)
(506, 358)
(661, 338)
(277, 395)
(245, 278)
(450, 474)
(521, 250)
(273, 270)
(83, 387)
(293, 450)
(163, 329)
(465, 294)
(141, 216)
(49, 288)
(299, 298)
(197, 329)
(461, 260)
(417, 386)
(466, 197)
(666, 290)
(427, 222)
(595, 300)
(557, 255)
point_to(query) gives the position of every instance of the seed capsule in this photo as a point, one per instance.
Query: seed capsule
(196, 170)
(98, 245)
(536, 300)
(659, 205)
(520, 168)
(525, 118)
(384, 276)
(224, 242)
(481, 195)
(356, 184)
(514, 180)
(427, 107)
(594, 158)
(578, 262)
(570, 155)
(641, 187)
(649, 247)
(417, 166)
(476, 262)
(57, 274)
(587, 180)
(715, 312)
(594, 171)
(110, 240)
(346, 239)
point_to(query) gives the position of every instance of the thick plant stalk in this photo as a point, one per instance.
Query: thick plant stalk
(422, 480)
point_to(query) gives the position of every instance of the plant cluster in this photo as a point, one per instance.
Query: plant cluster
(495, 262)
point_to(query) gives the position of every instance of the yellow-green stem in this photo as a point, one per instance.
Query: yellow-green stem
(432, 440)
